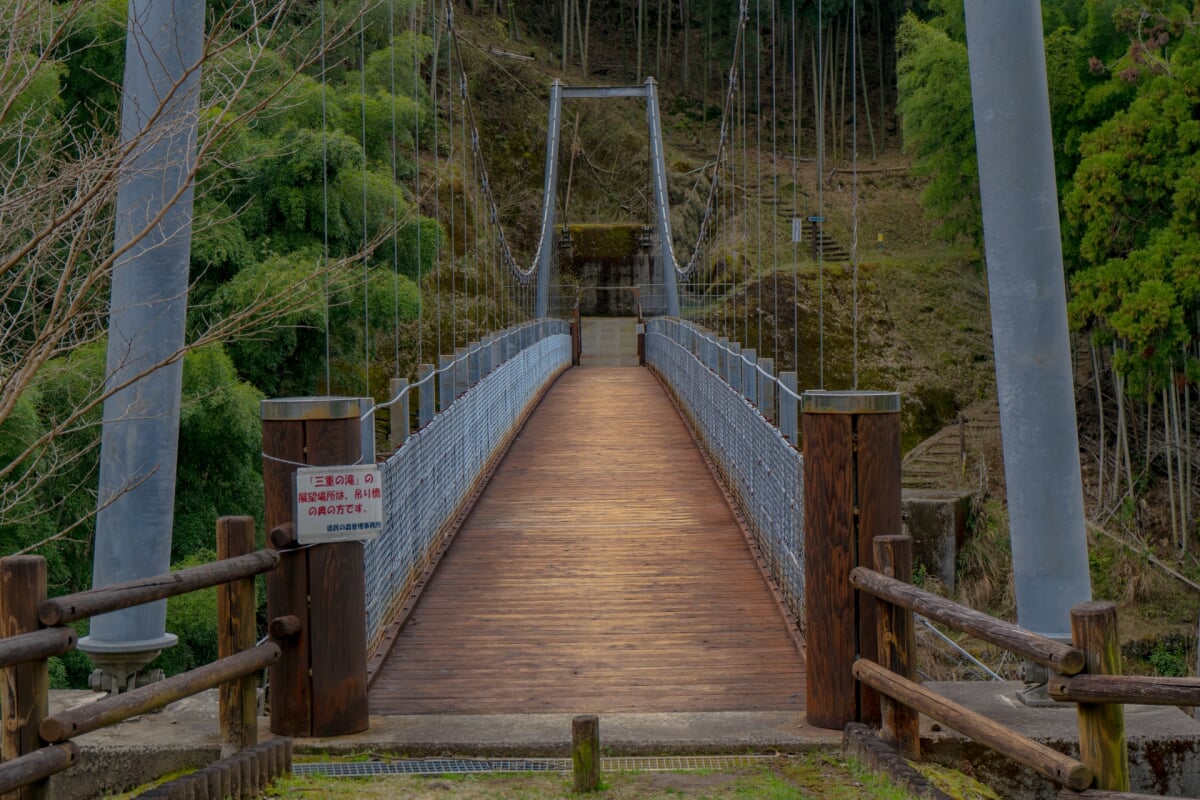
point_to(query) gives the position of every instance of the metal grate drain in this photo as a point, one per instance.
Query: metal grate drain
(463, 766)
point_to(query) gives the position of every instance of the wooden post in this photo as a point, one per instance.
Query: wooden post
(749, 385)
(26, 686)
(235, 633)
(398, 416)
(851, 495)
(788, 405)
(766, 389)
(462, 371)
(426, 395)
(577, 338)
(1101, 725)
(319, 685)
(585, 752)
(897, 647)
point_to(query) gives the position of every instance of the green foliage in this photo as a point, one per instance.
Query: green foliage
(1131, 217)
(936, 117)
(193, 618)
(1169, 659)
(220, 437)
(94, 60)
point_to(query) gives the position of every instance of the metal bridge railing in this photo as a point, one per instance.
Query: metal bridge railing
(762, 471)
(437, 468)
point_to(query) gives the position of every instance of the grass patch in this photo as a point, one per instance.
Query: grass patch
(799, 777)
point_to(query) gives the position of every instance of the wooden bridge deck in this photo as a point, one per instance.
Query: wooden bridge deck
(601, 570)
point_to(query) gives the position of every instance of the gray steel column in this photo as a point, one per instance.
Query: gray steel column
(662, 204)
(140, 436)
(549, 193)
(1029, 313)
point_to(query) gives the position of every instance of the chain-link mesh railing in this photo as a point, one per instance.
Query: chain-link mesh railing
(761, 470)
(429, 478)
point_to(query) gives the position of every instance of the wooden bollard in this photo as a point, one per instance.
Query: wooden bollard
(234, 771)
(235, 633)
(585, 752)
(319, 684)
(851, 495)
(1101, 725)
(241, 766)
(897, 647)
(26, 686)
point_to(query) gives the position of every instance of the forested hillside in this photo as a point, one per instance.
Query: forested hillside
(1125, 105)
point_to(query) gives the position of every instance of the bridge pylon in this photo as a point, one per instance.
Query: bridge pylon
(665, 253)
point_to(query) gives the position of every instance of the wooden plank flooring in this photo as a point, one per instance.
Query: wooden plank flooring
(601, 570)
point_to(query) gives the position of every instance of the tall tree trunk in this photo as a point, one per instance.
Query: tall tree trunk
(866, 96)
(1100, 463)
(1123, 426)
(658, 44)
(1166, 401)
(1177, 434)
(576, 16)
(880, 55)
(437, 47)
(707, 63)
(566, 33)
(667, 61)
(641, 36)
(685, 12)
(818, 93)
(797, 95)
(846, 77)
(587, 33)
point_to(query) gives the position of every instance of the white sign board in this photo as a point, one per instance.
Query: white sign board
(338, 504)
(797, 231)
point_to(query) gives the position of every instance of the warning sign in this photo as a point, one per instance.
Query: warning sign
(338, 504)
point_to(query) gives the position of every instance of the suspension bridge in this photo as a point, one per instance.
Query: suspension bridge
(639, 534)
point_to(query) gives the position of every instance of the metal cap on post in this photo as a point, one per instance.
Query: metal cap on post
(319, 685)
(851, 495)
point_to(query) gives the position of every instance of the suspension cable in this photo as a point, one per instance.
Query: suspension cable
(325, 196)
(819, 226)
(417, 185)
(362, 88)
(523, 275)
(854, 181)
(795, 210)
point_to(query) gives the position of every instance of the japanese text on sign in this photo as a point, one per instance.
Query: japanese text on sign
(335, 504)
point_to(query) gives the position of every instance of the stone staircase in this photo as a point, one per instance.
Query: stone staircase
(950, 459)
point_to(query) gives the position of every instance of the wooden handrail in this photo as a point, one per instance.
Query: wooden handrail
(1139, 689)
(71, 607)
(1062, 658)
(36, 645)
(1040, 758)
(92, 716)
(36, 766)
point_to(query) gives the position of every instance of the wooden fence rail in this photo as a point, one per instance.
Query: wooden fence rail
(37, 645)
(81, 605)
(1062, 658)
(1086, 673)
(25, 647)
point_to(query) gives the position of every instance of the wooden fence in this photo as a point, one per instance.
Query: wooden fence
(36, 745)
(1085, 672)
